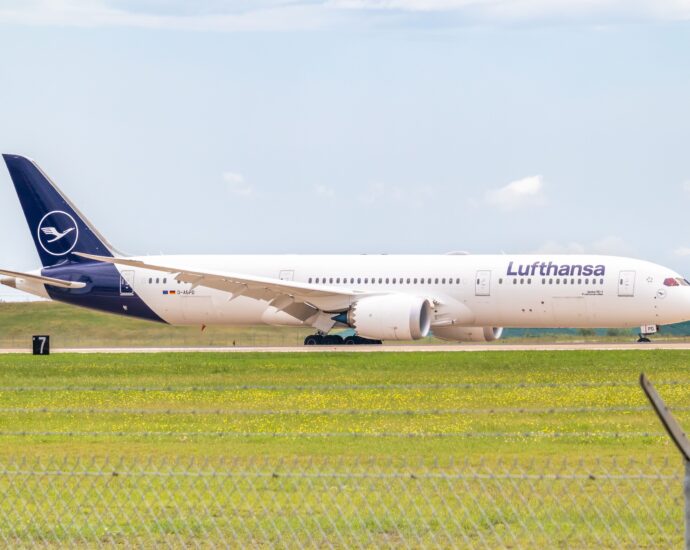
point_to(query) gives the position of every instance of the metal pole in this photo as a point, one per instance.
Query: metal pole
(677, 435)
(686, 491)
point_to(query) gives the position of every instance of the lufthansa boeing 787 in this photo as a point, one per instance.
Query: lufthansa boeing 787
(455, 297)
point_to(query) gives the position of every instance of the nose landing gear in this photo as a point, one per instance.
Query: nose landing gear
(645, 332)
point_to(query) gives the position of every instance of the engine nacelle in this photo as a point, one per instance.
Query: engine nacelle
(468, 334)
(391, 317)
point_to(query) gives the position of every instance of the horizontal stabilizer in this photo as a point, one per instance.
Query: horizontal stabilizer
(45, 280)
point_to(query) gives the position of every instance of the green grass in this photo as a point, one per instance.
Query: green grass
(73, 327)
(368, 404)
(384, 413)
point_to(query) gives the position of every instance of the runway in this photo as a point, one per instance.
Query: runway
(577, 346)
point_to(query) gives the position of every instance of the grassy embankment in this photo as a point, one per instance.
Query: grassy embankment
(72, 327)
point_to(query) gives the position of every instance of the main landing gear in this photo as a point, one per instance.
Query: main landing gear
(335, 340)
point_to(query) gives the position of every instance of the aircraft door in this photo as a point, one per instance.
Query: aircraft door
(287, 275)
(483, 283)
(127, 283)
(626, 283)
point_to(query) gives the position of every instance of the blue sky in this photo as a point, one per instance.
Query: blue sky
(398, 126)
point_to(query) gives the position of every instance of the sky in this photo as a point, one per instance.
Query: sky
(354, 126)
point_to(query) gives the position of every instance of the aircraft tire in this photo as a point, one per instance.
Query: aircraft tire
(313, 340)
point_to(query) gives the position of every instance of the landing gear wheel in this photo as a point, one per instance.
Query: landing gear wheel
(332, 340)
(313, 340)
(643, 340)
(351, 341)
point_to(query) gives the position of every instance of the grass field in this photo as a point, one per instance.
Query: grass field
(580, 403)
(322, 421)
(72, 327)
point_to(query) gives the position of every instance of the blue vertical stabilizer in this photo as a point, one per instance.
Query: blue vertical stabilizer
(56, 225)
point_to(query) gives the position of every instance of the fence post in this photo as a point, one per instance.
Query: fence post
(678, 436)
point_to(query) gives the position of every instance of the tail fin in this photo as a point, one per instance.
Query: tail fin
(56, 225)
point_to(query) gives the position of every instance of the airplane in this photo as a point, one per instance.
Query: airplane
(456, 297)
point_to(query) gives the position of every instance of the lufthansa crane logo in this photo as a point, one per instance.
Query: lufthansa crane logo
(57, 233)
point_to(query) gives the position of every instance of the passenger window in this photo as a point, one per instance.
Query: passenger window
(157, 280)
(415, 280)
(457, 281)
(514, 281)
(550, 281)
(436, 281)
(601, 281)
(579, 281)
(558, 281)
(500, 281)
(586, 281)
(543, 281)
(310, 279)
(150, 280)
(529, 281)
(387, 280)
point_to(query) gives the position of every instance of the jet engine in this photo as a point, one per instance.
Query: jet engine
(391, 317)
(468, 334)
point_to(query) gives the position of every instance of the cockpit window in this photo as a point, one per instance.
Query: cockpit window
(676, 281)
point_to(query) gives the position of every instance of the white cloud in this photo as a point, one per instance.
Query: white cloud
(324, 190)
(518, 194)
(273, 15)
(686, 187)
(204, 15)
(611, 245)
(237, 184)
(530, 10)
(682, 251)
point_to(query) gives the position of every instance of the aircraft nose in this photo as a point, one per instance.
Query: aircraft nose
(681, 304)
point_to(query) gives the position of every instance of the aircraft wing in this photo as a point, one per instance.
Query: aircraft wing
(41, 279)
(297, 299)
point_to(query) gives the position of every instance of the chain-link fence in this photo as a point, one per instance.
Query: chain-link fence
(342, 504)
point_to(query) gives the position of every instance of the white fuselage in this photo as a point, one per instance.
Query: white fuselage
(466, 290)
